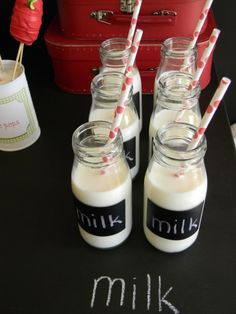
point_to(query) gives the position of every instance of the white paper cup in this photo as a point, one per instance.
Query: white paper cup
(19, 126)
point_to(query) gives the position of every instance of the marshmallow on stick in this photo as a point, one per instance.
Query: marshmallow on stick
(25, 24)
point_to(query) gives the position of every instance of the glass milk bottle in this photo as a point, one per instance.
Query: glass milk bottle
(175, 57)
(114, 53)
(105, 89)
(175, 188)
(102, 186)
(176, 102)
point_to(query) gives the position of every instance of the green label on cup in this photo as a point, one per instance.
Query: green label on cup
(17, 121)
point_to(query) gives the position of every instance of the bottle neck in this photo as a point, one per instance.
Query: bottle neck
(175, 54)
(171, 146)
(106, 89)
(114, 53)
(174, 92)
(91, 146)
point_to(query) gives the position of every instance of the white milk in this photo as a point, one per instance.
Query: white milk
(94, 189)
(175, 193)
(129, 129)
(166, 116)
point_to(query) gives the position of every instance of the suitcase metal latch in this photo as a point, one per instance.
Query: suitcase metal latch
(127, 6)
(165, 13)
(102, 16)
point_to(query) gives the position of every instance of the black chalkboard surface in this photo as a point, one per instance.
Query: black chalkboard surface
(45, 266)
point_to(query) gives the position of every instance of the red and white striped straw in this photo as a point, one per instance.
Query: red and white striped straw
(126, 86)
(204, 58)
(200, 23)
(211, 109)
(134, 21)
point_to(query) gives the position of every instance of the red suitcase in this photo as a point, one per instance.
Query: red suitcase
(159, 19)
(76, 61)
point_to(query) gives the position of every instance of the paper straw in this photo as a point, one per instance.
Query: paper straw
(211, 109)
(134, 21)
(201, 64)
(126, 86)
(200, 23)
(206, 54)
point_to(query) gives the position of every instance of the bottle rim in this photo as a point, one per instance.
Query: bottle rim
(174, 85)
(115, 48)
(178, 46)
(91, 145)
(172, 141)
(106, 87)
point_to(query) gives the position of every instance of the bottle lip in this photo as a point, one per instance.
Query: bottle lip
(178, 46)
(107, 86)
(175, 86)
(172, 140)
(115, 48)
(90, 143)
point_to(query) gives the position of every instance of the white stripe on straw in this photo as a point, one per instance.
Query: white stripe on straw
(200, 23)
(211, 109)
(204, 58)
(126, 86)
(134, 21)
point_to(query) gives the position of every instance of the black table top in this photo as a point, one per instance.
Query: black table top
(45, 266)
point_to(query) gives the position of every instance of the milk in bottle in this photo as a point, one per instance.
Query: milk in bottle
(102, 186)
(175, 188)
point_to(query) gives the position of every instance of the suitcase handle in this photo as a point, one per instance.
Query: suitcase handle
(158, 17)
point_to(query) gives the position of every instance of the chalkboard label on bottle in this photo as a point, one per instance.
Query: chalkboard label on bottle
(136, 100)
(130, 152)
(171, 224)
(101, 221)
